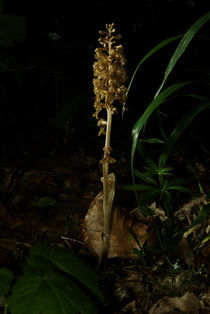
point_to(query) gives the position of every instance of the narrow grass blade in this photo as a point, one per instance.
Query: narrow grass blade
(152, 165)
(185, 41)
(178, 130)
(202, 216)
(152, 140)
(161, 98)
(180, 189)
(150, 53)
(145, 178)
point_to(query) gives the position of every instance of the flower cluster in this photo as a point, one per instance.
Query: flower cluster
(109, 75)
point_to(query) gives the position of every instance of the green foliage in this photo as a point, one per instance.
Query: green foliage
(162, 44)
(169, 235)
(6, 277)
(45, 201)
(55, 281)
(161, 97)
(184, 43)
(202, 215)
(178, 130)
(159, 183)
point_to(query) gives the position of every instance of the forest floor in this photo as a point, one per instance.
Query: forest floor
(45, 200)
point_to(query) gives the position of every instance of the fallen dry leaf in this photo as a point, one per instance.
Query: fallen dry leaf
(184, 251)
(188, 304)
(122, 242)
(131, 307)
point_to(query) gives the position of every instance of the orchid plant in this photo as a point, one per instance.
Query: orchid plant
(109, 78)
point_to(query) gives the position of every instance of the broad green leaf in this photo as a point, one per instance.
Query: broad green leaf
(185, 41)
(49, 293)
(178, 130)
(161, 98)
(6, 277)
(67, 262)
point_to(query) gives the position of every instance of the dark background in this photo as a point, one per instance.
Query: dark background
(46, 69)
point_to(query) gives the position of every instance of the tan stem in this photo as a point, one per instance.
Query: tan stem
(108, 192)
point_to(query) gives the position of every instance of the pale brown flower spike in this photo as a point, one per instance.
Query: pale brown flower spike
(109, 78)
(109, 72)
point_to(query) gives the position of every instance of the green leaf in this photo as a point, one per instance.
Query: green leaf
(145, 157)
(45, 201)
(185, 41)
(6, 277)
(201, 216)
(145, 209)
(55, 281)
(68, 263)
(161, 98)
(49, 293)
(145, 177)
(178, 130)
(165, 171)
(152, 140)
(150, 53)
(168, 202)
(206, 239)
(179, 188)
(137, 252)
(150, 172)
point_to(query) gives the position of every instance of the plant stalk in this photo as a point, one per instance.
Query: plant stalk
(108, 191)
